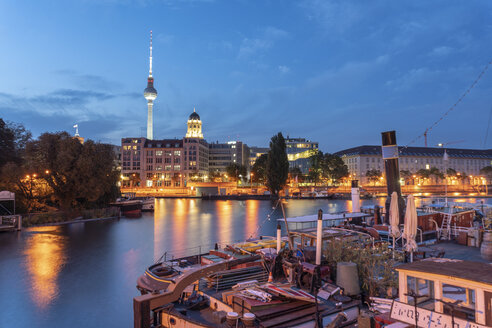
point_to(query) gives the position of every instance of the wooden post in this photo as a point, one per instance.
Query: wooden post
(390, 156)
(319, 237)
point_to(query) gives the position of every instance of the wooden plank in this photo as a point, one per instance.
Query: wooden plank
(282, 309)
(292, 316)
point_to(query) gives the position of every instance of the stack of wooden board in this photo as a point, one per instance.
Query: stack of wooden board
(227, 279)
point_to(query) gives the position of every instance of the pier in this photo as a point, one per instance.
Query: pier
(10, 223)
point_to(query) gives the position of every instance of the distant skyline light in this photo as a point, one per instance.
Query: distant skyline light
(335, 72)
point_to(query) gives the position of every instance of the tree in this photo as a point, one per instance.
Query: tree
(236, 171)
(80, 175)
(13, 139)
(333, 168)
(259, 169)
(406, 175)
(373, 176)
(434, 171)
(315, 169)
(277, 164)
(487, 172)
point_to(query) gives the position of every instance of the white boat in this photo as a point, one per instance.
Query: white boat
(148, 204)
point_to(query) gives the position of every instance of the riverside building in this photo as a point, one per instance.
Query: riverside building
(361, 159)
(299, 150)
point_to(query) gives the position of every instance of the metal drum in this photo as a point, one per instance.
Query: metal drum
(486, 249)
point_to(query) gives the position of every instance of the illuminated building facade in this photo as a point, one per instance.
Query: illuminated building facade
(222, 155)
(361, 159)
(299, 150)
(194, 126)
(164, 163)
(255, 152)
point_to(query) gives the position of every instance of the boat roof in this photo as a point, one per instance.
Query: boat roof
(326, 217)
(468, 270)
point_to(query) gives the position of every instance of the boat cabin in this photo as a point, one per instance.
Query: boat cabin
(444, 291)
(329, 220)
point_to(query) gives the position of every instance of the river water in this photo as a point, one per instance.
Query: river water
(84, 274)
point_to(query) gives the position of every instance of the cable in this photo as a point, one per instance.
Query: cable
(487, 131)
(453, 106)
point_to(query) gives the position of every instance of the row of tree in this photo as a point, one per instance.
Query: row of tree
(55, 170)
(432, 173)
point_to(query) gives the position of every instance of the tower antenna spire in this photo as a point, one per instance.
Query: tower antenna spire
(150, 62)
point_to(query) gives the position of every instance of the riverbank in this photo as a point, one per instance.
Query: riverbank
(68, 217)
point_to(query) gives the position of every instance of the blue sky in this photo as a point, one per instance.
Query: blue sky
(337, 72)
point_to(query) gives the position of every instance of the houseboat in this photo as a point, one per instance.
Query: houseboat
(257, 283)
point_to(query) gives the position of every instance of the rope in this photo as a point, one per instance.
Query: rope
(487, 131)
(268, 217)
(482, 73)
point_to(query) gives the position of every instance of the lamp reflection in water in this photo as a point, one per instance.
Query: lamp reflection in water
(252, 208)
(45, 257)
(224, 214)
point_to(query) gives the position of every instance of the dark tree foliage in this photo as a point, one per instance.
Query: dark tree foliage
(80, 175)
(236, 171)
(327, 166)
(259, 169)
(373, 175)
(334, 168)
(487, 171)
(13, 139)
(316, 167)
(277, 164)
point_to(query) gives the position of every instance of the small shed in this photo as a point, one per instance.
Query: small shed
(458, 288)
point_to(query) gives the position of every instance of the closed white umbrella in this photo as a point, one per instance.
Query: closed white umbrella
(410, 229)
(394, 216)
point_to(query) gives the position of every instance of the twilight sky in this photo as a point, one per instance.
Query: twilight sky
(337, 72)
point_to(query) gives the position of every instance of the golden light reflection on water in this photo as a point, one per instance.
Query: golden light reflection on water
(252, 211)
(159, 226)
(224, 214)
(45, 257)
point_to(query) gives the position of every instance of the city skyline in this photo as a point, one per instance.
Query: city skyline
(333, 72)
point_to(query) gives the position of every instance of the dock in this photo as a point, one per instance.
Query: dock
(10, 223)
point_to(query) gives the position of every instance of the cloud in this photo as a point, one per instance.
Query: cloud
(251, 47)
(88, 81)
(283, 69)
(441, 51)
(255, 46)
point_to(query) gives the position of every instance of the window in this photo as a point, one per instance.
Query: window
(150, 160)
(454, 293)
(149, 153)
(176, 160)
(177, 183)
(177, 167)
(158, 160)
(167, 168)
(167, 160)
(423, 288)
(149, 168)
(177, 153)
(158, 153)
(167, 183)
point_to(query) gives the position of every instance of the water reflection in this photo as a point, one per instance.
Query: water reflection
(45, 257)
(224, 216)
(252, 217)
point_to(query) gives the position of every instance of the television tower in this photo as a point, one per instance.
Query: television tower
(150, 94)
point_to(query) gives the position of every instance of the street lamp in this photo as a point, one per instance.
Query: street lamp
(446, 160)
